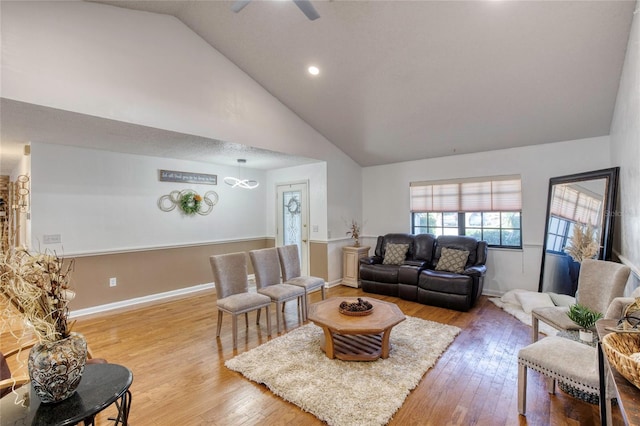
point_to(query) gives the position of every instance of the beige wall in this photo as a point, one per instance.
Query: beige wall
(150, 272)
(318, 260)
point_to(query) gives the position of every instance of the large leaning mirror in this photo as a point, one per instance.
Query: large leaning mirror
(578, 205)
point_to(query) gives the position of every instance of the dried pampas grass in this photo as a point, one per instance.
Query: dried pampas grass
(582, 244)
(37, 285)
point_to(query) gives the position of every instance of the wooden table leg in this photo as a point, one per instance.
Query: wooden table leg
(328, 343)
(386, 347)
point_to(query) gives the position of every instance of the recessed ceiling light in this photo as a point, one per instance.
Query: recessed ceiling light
(313, 70)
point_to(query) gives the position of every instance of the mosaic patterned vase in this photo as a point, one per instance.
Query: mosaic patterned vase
(55, 368)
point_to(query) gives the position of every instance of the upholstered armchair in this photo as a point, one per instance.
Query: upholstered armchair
(599, 283)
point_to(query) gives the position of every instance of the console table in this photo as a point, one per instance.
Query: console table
(628, 394)
(351, 256)
(101, 386)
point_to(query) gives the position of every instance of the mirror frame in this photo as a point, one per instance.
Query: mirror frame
(606, 236)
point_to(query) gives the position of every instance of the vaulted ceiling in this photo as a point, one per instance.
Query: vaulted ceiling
(402, 80)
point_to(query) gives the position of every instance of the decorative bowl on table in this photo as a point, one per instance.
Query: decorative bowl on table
(356, 308)
(623, 353)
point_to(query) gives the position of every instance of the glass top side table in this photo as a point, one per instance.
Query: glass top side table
(101, 386)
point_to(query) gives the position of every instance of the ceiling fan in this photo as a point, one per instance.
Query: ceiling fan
(304, 5)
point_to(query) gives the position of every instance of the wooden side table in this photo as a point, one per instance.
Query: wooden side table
(628, 394)
(351, 264)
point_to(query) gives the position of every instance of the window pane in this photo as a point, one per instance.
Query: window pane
(511, 238)
(475, 233)
(435, 219)
(492, 236)
(450, 219)
(491, 219)
(450, 231)
(511, 220)
(473, 219)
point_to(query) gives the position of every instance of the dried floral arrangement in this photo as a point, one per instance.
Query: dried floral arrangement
(582, 244)
(37, 285)
(354, 231)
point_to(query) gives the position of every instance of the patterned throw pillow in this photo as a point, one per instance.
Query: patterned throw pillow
(394, 254)
(452, 260)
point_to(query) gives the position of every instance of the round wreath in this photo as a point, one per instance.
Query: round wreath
(190, 203)
(293, 206)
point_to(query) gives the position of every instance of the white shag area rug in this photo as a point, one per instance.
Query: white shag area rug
(346, 393)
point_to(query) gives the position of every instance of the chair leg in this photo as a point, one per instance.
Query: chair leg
(246, 320)
(305, 307)
(522, 389)
(323, 292)
(235, 331)
(534, 329)
(219, 323)
(258, 316)
(609, 414)
(278, 315)
(551, 385)
(268, 321)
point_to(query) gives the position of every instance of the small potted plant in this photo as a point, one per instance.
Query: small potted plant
(585, 318)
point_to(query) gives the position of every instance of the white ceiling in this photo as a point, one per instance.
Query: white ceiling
(403, 80)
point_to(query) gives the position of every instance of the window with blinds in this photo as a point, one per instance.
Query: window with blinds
(486, 208)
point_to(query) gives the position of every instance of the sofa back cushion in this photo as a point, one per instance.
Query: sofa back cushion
(423, 247)
(381, 246)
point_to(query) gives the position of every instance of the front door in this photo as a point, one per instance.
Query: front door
(292, 223)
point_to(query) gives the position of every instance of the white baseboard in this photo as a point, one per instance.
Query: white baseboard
(151, 298)
(140, 300)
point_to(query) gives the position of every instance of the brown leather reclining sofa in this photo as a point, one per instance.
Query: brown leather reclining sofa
(419, 277)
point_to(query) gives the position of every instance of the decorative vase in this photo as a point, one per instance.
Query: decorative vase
(586, 336)
(55, 368)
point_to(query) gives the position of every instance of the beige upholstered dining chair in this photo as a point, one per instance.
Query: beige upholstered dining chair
(266, 267)
(599, 283)
(290, 266)
(232, 290)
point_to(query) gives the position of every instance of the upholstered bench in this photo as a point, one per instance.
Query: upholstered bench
(558, 358)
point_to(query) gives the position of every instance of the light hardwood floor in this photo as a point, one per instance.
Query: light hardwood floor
(180, 378)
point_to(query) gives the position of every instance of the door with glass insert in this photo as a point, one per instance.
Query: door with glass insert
(292, 220)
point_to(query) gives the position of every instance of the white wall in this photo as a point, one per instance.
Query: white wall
(150, 69)
(386, 197)
(100, 202)
(625, 152)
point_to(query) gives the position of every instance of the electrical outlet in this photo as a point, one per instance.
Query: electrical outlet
(51, 239)
(113, 282)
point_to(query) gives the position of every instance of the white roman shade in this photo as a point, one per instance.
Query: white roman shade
(576, 204)
(495, 193)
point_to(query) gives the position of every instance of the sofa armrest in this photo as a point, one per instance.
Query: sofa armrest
(371, 260)
(417, 263)
(476, 271)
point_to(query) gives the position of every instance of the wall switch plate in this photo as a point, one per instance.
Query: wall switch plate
(113, 282)
(51, 239)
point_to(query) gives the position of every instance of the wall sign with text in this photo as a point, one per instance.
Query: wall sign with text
(187, 177)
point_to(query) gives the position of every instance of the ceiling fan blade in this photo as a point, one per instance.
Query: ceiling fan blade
(238, 5)
(307, 8)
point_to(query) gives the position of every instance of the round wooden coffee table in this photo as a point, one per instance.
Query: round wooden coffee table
(356, 338)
